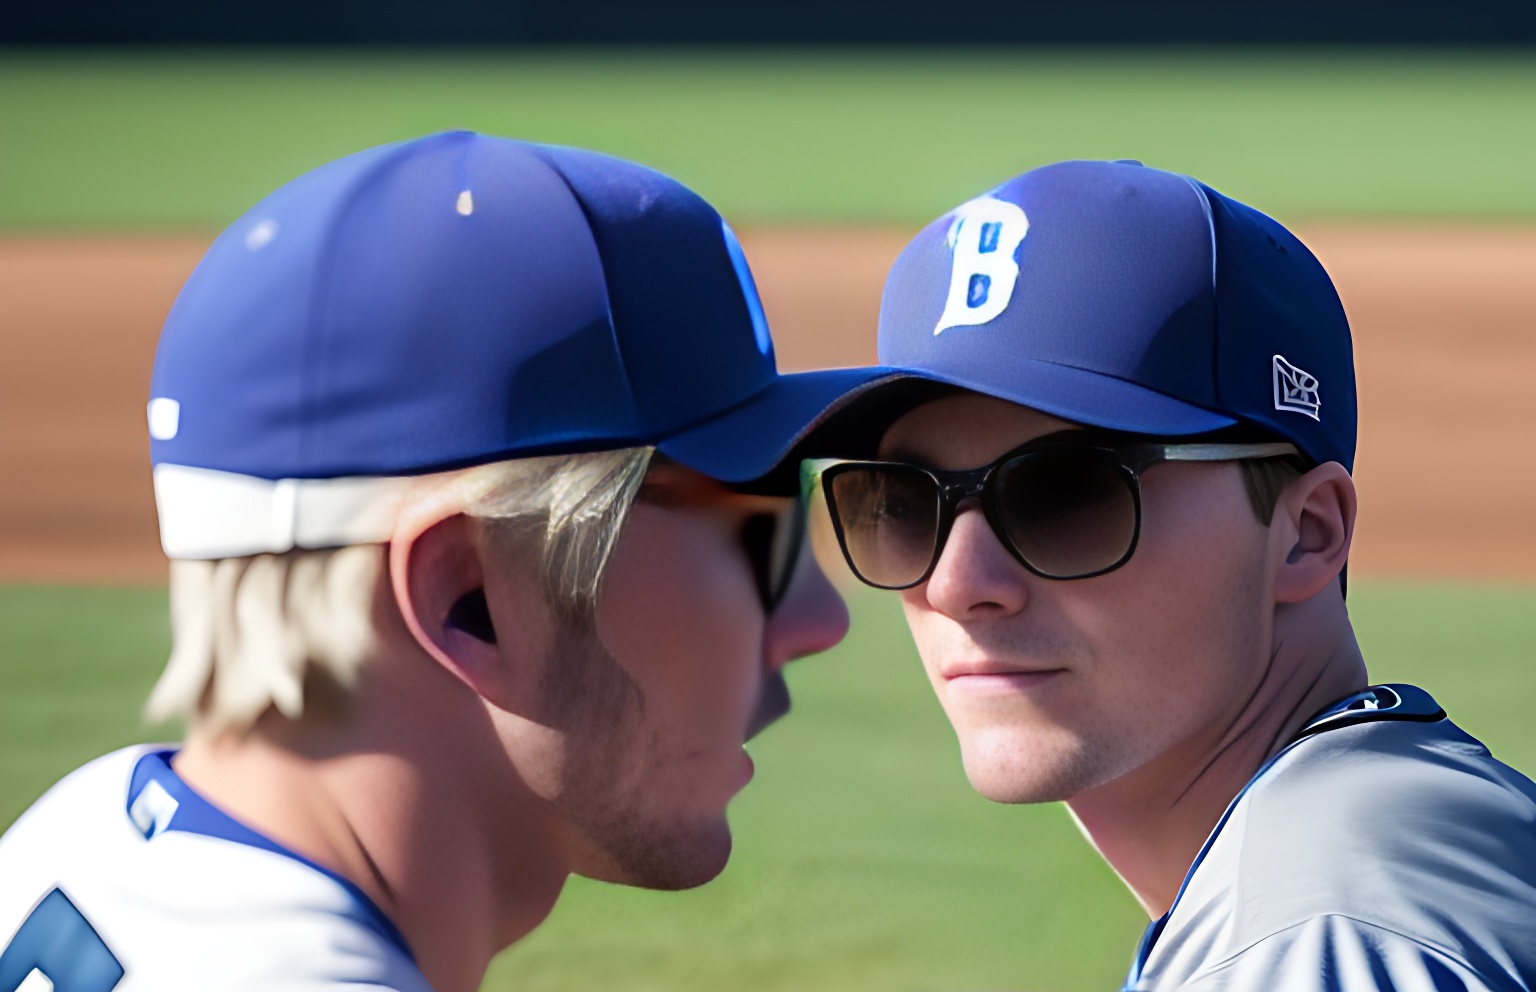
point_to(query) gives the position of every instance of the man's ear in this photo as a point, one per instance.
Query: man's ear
(439, 585)
(1311, 532)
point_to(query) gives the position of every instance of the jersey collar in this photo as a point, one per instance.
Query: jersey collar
(1378, 702)
(160, 801)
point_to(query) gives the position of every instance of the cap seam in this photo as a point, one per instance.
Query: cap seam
(602, 265)
(1210, 224)
(317, 335)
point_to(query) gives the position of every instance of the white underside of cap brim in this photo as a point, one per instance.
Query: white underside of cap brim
(205, 513)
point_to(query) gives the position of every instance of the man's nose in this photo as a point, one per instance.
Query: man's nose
(811, 617)
(975, 576)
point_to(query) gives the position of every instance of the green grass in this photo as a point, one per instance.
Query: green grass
(863, 859)
(75, 668)
(192, 140)
(1472, 646)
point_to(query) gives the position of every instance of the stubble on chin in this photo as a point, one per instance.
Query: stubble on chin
(656, 853)
(607, 779)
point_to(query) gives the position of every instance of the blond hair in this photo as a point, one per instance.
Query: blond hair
(247, 631)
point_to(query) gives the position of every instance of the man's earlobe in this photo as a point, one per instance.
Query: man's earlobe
(1316, 520)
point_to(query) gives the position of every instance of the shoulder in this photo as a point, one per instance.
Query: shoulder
(1392, 796)
(1336, 953)
(177, 911)
(1405, 828)
(106, 773)
(1404, 765)
(76, 805)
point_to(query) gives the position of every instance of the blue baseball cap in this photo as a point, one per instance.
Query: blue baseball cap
(1127, 298)
(450, 301)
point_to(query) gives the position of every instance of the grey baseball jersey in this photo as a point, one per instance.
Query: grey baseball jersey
(1385, 849)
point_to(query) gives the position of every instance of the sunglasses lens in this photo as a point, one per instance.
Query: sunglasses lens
(784, 552)
(1068, 513)
(773, 542)
(888, 519)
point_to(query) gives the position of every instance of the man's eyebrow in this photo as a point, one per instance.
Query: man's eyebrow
(902, 453)
(1074, 433)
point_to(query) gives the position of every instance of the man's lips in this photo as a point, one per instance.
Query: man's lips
(985, 672)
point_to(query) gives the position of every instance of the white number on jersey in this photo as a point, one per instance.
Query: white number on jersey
(983, 238)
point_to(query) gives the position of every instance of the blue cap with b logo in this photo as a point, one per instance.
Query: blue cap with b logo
(1127, 298)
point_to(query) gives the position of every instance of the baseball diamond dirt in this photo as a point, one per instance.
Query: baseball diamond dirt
(1445, 336)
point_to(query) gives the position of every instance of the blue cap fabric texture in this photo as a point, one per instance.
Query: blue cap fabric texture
(460, 299)
(1128, 298)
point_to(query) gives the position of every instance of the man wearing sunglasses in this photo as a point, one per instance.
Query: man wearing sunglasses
(472, 585)
(1118, 515)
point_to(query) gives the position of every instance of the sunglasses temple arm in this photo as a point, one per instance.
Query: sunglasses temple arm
(1226, 452)
(810, 475)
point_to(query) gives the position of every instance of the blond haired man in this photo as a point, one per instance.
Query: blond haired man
(469, 593)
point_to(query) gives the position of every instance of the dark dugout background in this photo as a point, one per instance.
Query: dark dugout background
(487, 22)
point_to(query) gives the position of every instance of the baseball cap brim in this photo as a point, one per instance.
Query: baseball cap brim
(751, 439)
(1084, 397)
(1091, 398)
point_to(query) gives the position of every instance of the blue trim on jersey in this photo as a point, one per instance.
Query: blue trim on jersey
(1411, 698)
(196, 815)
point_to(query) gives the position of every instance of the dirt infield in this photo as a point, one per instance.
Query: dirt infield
(1445, 340)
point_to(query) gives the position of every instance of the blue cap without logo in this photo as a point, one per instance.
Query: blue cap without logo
(460, 299)
(1128, 298)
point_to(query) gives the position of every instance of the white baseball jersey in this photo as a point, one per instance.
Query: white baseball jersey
(122, 878)
(1384, 849)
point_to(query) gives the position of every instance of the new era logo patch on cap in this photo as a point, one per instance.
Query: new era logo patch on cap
(1295, 390)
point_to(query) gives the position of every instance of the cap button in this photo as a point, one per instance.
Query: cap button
(1126, 161)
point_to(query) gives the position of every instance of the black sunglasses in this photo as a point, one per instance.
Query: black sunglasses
(773, 542)
(1066, 506)
(771, 537)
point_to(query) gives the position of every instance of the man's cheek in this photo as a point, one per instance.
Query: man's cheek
(924, 625)
(588, 692)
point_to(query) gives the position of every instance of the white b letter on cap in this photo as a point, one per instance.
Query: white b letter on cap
(983, 237)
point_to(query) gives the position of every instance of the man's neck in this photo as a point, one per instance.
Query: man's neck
(458, 856)
(1151, 823)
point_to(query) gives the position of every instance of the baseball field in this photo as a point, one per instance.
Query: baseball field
(863, 859)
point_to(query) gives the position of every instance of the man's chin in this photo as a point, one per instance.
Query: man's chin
(1007, 772)
(1016, 792)
(670, 859)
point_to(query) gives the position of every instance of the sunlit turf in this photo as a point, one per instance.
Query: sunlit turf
(863, 860)
(157, 139)
(75, 667)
